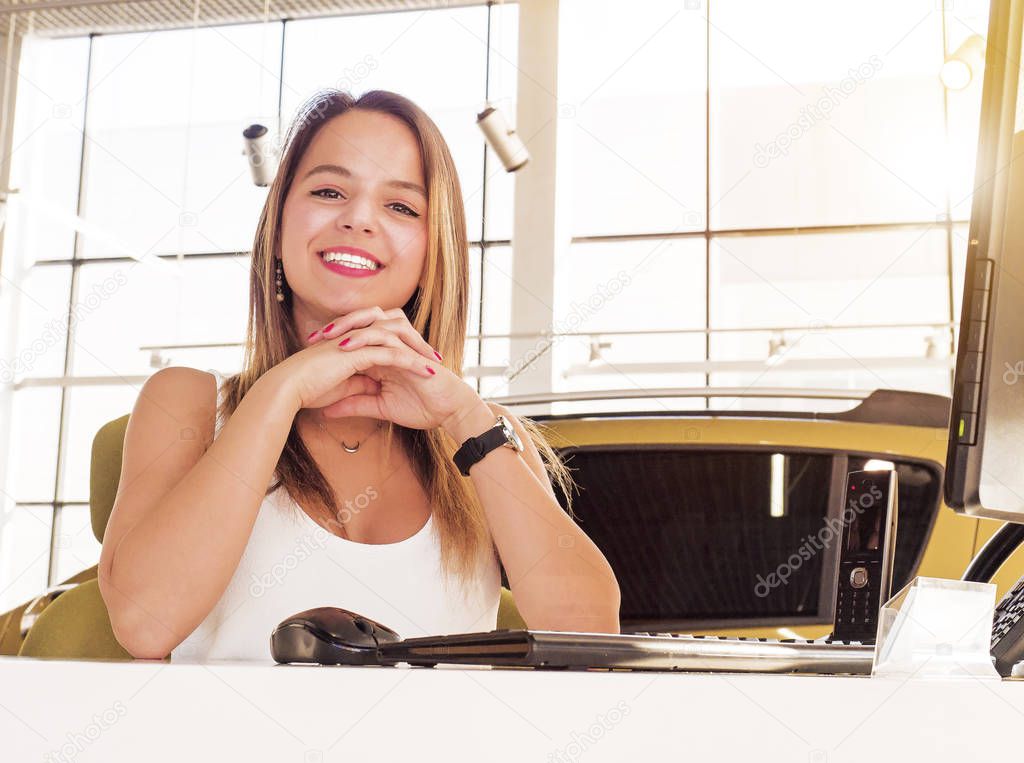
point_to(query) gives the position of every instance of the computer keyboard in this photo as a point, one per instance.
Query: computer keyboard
(1008, 630)
(632, 651)
(824, 640)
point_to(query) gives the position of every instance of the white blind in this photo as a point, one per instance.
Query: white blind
(63, 18)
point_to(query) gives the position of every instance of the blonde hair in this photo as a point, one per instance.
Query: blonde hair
(438, 310)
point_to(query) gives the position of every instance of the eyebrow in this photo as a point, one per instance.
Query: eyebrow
(337, 169)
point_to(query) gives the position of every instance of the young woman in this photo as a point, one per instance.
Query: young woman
(352, 401)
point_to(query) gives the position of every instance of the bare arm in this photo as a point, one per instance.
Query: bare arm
(185, 508)
(559, 578)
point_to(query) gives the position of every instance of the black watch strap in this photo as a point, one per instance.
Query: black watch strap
(475, 448)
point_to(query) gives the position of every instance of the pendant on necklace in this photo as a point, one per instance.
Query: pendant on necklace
(349, 448)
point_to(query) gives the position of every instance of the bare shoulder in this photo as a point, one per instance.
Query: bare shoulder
(184, 377)
(182, 400)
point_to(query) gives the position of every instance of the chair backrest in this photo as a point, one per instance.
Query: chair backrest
(104, 475)
(75, 626)
(105, 472)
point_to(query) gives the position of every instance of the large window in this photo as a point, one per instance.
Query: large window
(136, 213)
(783, 185)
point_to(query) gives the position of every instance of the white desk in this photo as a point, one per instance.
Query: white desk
(56, 710)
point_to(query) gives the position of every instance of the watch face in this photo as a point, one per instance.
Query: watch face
(510, 433)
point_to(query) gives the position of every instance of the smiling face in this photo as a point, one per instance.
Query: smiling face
(360, 186)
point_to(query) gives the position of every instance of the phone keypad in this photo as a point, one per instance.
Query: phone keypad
(857, 605)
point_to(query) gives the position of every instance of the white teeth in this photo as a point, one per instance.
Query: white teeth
(351, 260)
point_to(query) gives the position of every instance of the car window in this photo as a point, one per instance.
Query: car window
(699, 536)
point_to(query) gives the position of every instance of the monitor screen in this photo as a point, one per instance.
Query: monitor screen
(985, 459)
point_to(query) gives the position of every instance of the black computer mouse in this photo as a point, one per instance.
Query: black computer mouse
(329, 636)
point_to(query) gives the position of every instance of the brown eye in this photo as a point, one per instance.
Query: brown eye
(408, 211)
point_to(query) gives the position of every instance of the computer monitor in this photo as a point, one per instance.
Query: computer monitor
(985, 458)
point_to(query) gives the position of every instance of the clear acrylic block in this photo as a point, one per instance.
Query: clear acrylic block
(937, 628)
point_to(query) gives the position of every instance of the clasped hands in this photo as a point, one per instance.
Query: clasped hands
(418, 394)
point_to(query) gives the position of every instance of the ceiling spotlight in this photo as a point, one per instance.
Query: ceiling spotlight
(261, 153)
(965, 63)
(503, 139)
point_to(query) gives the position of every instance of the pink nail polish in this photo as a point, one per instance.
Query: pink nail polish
(432, 371)
(437, 354)
(328, 327)
(310, 337)
(343, 342)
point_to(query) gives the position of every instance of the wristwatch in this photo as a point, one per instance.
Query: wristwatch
(475, 448)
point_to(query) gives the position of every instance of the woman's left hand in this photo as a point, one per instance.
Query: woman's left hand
(417, 402)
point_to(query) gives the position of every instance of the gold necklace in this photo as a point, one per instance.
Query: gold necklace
(349, 448)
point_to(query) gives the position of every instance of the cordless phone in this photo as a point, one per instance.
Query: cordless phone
(866, 554)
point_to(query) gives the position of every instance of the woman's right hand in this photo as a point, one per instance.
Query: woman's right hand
(325, 373)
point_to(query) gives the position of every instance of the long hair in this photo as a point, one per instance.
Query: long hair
(438, 310)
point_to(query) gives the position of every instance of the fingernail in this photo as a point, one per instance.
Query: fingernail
(328, 327)
(343, 342)
(437, 354)
(310, 337)
(432, 371)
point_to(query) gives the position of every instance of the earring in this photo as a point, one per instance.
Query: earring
(278, 278)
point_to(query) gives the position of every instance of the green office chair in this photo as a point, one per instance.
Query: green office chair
(75, 624)
(74, 627)
(73, 620)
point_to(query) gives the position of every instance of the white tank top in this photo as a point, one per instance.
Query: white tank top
(291, 563)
